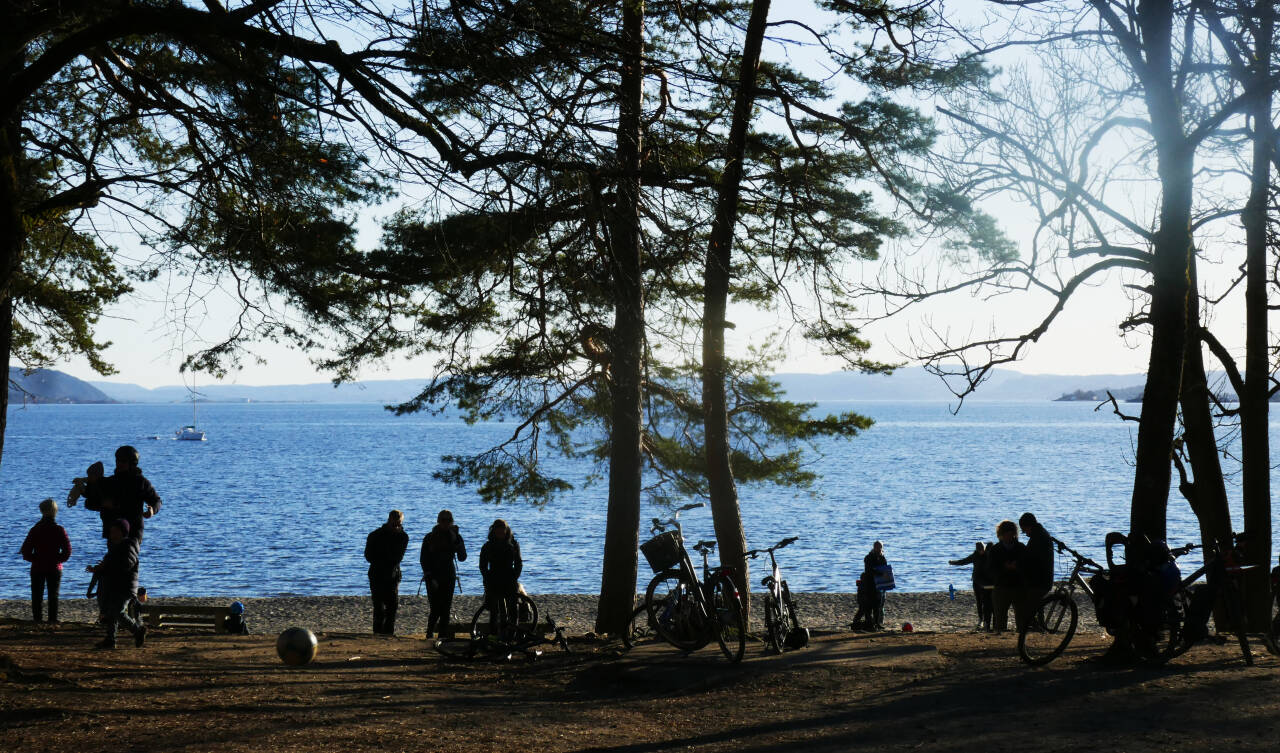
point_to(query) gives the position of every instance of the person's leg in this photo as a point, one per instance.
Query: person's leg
(37, 595)
(1002, 598)
(1025, 605)
(379, 607)
(112, 608)
(53, 582)
(987, 606)
(391, 594)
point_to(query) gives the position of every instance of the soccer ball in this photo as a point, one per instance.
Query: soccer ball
(296, 646)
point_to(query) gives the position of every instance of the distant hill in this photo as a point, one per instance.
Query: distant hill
(49, 386)
(385, 391)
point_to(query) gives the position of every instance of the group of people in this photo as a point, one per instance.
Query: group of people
(442, 548)
(123, 501)
(876, 578)
(1010, 573)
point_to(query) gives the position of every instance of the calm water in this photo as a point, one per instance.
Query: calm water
(280, 498)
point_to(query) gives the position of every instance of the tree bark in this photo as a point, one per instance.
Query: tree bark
(1172, 252)
(1254, 407)
(1208, 495)
(618, 579)
(725, 512)
(12, 240)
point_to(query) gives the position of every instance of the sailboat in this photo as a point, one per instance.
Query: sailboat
(190, 432)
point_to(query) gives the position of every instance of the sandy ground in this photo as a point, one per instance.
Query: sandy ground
(925, 690)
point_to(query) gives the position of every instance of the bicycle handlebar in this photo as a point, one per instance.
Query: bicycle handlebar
(753, 553)
(1080, 558)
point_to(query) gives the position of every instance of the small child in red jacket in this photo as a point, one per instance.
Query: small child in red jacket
(46, 548)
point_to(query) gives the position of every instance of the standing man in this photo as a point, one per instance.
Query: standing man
(439, 548)
(129, 495)
(384, 548)
(1039, 554)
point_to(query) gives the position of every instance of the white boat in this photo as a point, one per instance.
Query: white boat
(189, 432)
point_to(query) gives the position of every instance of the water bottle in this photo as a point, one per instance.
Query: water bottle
(951, 592)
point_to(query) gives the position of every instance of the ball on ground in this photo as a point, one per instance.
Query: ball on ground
(296, 646)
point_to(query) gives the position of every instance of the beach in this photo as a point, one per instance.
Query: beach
(576, 613)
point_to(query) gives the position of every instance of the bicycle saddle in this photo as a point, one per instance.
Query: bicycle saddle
(707, 546)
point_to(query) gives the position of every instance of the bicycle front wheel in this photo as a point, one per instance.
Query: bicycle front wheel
(1045, 636)
(640, 629)
(775, 630)
(731, 618)
(675, 610)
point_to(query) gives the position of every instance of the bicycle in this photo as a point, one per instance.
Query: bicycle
(686, 611)
(1222, 573)
(640, 629)
(506, 627)
(1046, 635)
(780, 621)
(505, 637)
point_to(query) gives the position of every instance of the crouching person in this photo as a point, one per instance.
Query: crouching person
(117, 575)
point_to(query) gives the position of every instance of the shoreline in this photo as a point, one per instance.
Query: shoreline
(826, 612)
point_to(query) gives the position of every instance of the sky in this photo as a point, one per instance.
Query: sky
(148, 350)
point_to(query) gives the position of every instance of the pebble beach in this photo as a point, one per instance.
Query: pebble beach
(826, 612)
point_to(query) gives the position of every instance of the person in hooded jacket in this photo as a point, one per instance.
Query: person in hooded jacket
(128, 493)
(440, 547)
(500, 567)
(384, 549)
(117, 576)
(46, 548)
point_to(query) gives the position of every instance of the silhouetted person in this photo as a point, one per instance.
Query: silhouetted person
(981, 581)
(46, 548)
(440, 547)
(500, 567)
(874, 560)
(129, 494)
(93, 487)
(117, 575)
(384, 549)
(1005, 561)
(1039, 554)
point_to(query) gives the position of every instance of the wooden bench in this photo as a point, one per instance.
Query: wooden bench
(185, 616)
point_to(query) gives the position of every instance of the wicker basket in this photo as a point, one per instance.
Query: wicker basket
(662, 551)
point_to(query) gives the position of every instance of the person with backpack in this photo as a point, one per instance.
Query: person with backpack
(875, 564)
(384, 549)
(440, 547)
(117, 575)
(46, 548)
(500, 567)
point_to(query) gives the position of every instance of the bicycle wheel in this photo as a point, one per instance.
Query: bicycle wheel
(525, 625)
(775, 631)
(1158, 639)
(1045, 636)
(675, 610)
(731, 618)
(640, 629)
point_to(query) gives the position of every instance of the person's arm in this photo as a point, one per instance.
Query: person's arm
(461, 549)
(369, 548)
(519, 563)
(402, 544)
(28, 549)
(64, 553)
(150, 499)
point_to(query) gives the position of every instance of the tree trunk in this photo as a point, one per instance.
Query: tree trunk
(1208, 495)
(618, 579)
(1255, 446)
(12, 240)
(725, 512)
(1172, 252)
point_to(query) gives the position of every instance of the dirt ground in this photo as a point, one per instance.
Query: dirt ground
(920, 691)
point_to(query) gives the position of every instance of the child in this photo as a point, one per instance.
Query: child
(500, 567)
(118, 583)
(92, 486)
(46, 548)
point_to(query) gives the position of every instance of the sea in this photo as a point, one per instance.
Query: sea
(280, 497)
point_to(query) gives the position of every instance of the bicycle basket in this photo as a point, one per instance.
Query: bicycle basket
(662, 551)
